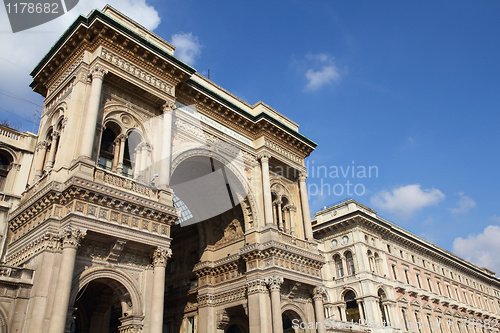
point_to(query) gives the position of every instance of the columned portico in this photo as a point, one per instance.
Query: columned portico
(274, 282)
(97, 73)
(160, 258)
(71, 238)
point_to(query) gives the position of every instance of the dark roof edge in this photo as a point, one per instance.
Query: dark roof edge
(252, 117)
(115, 24)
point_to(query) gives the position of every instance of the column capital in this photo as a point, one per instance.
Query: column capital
(319, 292)
(122, 137)
(56, 134)
(302, 176)
(98, 72)
(42, 145)
(291, 208)
(72, 236)
(264, 156)
(160, 256)
(168, 107)
(256, 286)
(274, 282)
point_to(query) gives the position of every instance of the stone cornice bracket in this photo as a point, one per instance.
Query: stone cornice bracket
(256, 286)
(98, 72)
(264, 156)
(302, 176)
(168, 106)
(160, 256)
(72, 236)
(319, 292)
(274, 282)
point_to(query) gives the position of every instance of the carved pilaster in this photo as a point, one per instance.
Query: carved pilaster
(256, 286)
(71, 236)
(302, 177)
(274, 282)
(160, 256)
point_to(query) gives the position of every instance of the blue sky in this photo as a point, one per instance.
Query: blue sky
(411, 88)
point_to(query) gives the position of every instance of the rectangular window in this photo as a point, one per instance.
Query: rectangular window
(449, 291)
(429, 284)
(418, 281)
(394, 272)
(456, 293)
(439, 288)
(406, 276)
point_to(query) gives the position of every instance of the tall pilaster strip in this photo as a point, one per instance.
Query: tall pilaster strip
(318, 293)
(160, 258)
(306, 214)
(266, 187)
(97, 73)
(166, 146)
(71, 238)
(274, 282)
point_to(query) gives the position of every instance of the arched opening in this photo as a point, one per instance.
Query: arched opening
(108, 152)
(382, 297)
(6, 160)
(209, 197)
(133, 141)
(351, 307)
(350, 263)
(290, 320)
(339, 268)
(99, 306)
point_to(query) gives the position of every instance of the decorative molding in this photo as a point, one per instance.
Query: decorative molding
(136, 71)
(274, 282)
(256, 286)
(98, 72)
(222, 319)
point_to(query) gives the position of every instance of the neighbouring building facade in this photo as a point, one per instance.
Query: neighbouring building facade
(153, 200)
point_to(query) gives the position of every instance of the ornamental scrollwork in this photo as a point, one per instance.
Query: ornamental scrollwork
(319, 292)
(274, 282)
(71, 236)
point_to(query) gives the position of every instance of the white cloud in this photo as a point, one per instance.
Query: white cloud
(464, 204)
(187, 47)
(482, 249)
(325, 71)
(405, 200)
(495, 218)
(20, 52)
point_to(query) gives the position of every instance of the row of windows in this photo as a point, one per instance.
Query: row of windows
(446, 273)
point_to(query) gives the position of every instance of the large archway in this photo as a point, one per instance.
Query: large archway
(98, 308)
(214, 216)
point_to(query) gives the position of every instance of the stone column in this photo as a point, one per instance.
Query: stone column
(274, 282)
(266, 187)
(305, 206)
(116, 155)
(160, 258)
(42, 150)
(53, 148)
(318, 293)
(280, 214)
(71, 238)
(137, 164)
(122, 138)
(291, 213)
(206, 312)
(360, 309)
(166, 146)
(257, 306)
(97, 73)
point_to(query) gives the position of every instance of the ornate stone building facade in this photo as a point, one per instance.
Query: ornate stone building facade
(159, 202)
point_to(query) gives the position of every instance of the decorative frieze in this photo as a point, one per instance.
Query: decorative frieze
(136, 71)
(256, 286)
(283, 151)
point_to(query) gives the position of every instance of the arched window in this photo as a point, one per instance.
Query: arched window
(5, 165)
(381, 298)
(339, 268)
(350, 263)
(351, 307)
(109, 146)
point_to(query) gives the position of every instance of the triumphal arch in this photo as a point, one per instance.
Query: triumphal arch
(158, 201)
